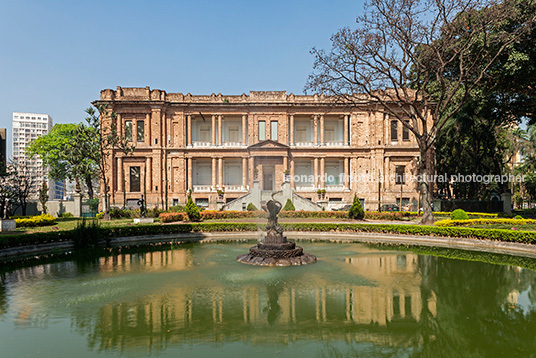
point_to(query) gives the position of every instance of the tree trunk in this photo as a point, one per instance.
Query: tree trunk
(427, 171)
(89, 185)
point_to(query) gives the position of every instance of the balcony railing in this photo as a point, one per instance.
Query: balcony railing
(201, 144)
(334, 144)
(202, 188)
(304, 144)
(334, 187)
(232, 144)
(233, 188)
(305, 188)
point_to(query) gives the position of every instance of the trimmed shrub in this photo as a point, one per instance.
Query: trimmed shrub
(289, 206)
(177, 208)
(39, 220)
(518, 217)
(67, 215)
(356, 211)
(251, 207)
(171, 217)
(459, 214)
(471, 222)
(192, 210)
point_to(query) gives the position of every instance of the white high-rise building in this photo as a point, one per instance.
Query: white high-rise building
(27, 127)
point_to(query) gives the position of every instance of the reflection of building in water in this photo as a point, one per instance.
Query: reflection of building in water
(367, 311)
(169, 259)
(396, 295)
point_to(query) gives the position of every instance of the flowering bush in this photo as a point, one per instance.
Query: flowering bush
(39, 220)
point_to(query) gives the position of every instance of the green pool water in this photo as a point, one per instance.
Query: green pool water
(196, 301)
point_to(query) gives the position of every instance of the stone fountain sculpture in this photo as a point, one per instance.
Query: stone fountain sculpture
(275, 250)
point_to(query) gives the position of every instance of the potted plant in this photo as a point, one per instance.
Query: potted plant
(220, 193)
(321, 193)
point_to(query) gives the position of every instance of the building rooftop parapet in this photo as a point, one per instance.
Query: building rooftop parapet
(146, 94)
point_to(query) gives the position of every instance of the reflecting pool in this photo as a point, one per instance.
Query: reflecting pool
(194, 300)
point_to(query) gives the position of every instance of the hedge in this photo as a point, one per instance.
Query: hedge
(471, 222)
(230, 214)
(106, 233)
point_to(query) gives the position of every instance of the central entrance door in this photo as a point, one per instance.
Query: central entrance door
(268, 174)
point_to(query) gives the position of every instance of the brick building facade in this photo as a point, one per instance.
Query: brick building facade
(221, 146)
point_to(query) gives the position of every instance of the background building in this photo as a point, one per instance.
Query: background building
(27, 127)
(3, 153)
(223, 148)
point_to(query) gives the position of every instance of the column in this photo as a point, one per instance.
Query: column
(120, 125)
(189, 124)
(220, 134)
(259, 168)
(315, 127)
(148, 121)
(291, 130)
(285, 163)
(244, 172)
(149, 174)
(220, 173)
(120, 177)
(346, 172)
(213, 130)
(345, 136)
(292, 184)
(244, 130)
(251, 168)
(190, 174)
(214, 173)
(321, 129)
(315, 173)
(322, 173)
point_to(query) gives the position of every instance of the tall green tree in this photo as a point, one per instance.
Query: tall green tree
(69, 151)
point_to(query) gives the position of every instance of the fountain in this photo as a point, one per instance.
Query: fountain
(275, 250)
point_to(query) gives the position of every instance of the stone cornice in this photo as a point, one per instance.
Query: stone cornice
(263, 98)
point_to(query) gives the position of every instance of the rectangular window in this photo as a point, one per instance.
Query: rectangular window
(140, 127)
(394, 131)
(128, 131)
(405, 132)
(273, 131)
(400, 174)
(135, 179)
(262, 130)
(301, 134)
(329, 134)
(234, 135)
(204, 133)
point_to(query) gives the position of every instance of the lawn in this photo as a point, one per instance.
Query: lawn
(70, 224)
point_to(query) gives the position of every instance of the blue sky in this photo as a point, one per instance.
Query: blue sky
(56, 56)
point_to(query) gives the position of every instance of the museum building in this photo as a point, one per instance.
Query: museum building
(224, 148)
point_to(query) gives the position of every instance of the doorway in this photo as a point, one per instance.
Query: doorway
(268, 174)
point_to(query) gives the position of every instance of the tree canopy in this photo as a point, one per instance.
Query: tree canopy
(419, 60)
